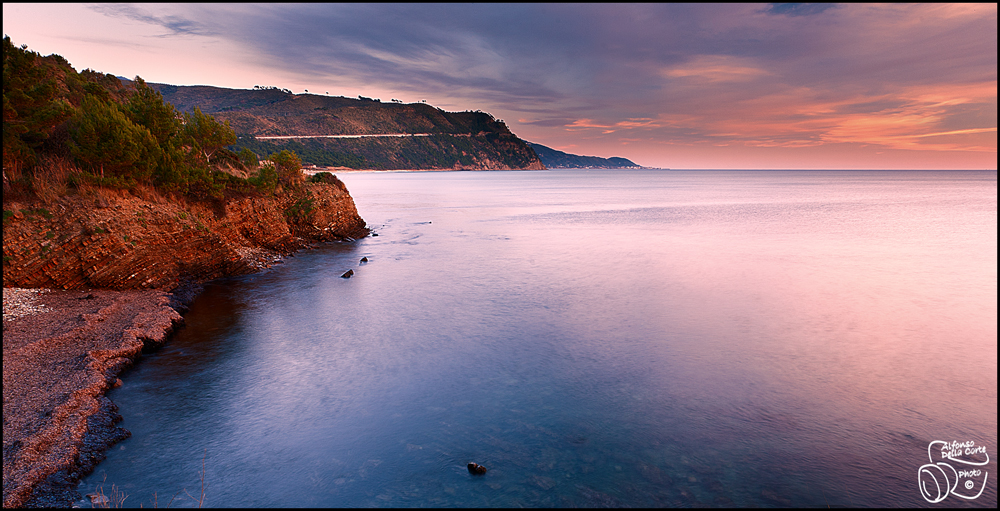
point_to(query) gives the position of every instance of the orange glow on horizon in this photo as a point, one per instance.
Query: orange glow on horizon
(915, 120)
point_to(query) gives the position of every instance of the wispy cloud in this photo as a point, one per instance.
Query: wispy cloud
(715, 68)
(175, 25)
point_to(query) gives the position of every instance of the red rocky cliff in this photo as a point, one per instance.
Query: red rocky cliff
(116, 240)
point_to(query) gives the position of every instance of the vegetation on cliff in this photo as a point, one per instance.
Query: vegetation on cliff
(104, 132)
(107, 185)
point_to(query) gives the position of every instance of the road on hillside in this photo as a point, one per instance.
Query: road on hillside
(276, 137)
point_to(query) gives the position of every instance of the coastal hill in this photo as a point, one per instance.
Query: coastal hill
(438, 139)
(107, 186)
(554, 159)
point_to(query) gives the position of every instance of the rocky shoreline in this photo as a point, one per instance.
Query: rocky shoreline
(62, 351)
(96, 278)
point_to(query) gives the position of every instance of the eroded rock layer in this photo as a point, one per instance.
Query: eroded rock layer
(116, 240)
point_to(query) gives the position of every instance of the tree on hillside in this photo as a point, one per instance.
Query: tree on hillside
(289, 167)
(31, 108)
(106, 142)
(206, 134)
(266, 179)
(248, 159)
(146, 108)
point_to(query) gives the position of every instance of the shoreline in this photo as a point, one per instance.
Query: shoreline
(63, 350)
(98, 276)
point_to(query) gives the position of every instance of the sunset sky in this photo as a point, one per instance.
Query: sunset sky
(665, 85)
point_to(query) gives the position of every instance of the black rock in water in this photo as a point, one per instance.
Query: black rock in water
(347, 274)
(364, 259)
(477, 469)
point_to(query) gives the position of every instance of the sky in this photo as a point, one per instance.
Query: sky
(781, 86)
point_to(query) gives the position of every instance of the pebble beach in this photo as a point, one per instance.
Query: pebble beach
(62, 351)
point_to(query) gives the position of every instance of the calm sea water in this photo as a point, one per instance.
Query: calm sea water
(594, 338)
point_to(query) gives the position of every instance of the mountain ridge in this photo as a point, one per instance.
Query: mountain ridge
(470, 140)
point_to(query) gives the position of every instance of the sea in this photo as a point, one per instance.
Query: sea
(594, 338)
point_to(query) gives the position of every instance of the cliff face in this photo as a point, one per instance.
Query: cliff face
(115, 240)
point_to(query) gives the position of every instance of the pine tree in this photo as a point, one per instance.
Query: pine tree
(31, 107)
(205, 134)
(109, 144)
(145, 107)
(289, 167)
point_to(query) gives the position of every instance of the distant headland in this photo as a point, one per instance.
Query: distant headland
(554, 159)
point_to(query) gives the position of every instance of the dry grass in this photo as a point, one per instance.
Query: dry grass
(233, 171)
(114, 500)
(11, 174)
(102, 196)
(117, 497)
(50, 179)
(149, 194)
(201, 498)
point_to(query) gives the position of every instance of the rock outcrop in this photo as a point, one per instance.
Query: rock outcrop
(116, 240)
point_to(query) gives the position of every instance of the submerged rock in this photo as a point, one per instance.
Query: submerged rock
(347, 274)
(364, 259)
(477, 469)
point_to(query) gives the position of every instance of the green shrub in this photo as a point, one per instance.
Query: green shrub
(266, 179)
(248, 159)
(117, 182)
(289, 167)
(328, 178)
(301, 209)
(40, 211)
(323, 177)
